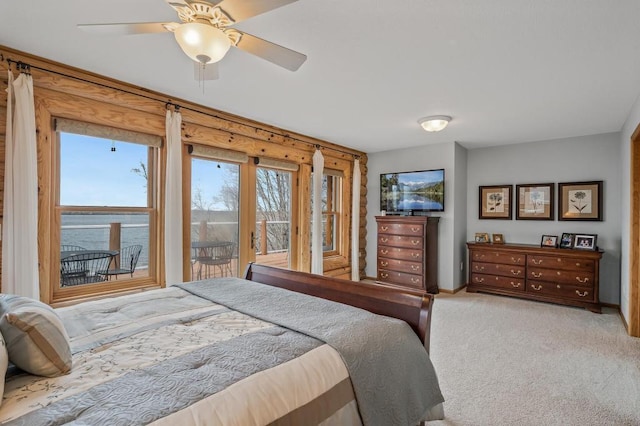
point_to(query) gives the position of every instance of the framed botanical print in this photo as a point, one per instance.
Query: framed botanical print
(535, 201)
(580, 201)
(495, 202)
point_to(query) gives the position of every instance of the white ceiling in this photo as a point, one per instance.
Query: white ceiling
(507, 71)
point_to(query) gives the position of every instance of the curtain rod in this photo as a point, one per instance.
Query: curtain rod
(20, 65)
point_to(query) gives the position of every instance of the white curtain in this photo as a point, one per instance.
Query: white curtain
(355, 222)
(316, 239)
(20, 228)
(173, 198)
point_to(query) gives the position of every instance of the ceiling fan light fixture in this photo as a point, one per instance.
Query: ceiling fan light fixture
(434, 123)
(202, 42)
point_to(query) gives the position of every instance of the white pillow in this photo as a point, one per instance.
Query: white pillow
(35, 338)
(4, 363)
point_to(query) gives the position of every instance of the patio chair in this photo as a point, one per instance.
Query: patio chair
(125, 262)
(219, 256)
(84, 268)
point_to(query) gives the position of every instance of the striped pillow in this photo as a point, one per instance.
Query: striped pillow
(35, 337)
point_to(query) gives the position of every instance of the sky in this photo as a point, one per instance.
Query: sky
(91, 174)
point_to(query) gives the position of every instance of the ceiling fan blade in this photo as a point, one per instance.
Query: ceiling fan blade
(126, 29)
(206, 72)
(239, 10)
(286, 58)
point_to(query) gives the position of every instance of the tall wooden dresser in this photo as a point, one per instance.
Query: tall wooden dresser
(565, 276)
(408, 251)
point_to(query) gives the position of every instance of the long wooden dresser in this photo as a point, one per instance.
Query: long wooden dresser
(408, 251)
(565, 276)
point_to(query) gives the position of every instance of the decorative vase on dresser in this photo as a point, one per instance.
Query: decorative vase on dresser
(565, 276)
(408, 251)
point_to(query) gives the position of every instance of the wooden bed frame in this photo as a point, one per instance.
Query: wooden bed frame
(411, 306)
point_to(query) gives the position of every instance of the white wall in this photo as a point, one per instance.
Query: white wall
(423, 158)
(625, 205)
(587, 158)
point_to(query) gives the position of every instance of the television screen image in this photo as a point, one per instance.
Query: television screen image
(421, 191)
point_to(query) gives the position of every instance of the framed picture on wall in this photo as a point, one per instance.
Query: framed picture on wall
(580, 201)
(495, 202)
(535, 201)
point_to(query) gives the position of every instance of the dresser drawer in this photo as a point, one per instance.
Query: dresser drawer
(557, 262)
(515, 284)
(510, 258)
(400, 265)
(561, 290)
(498, 269)
(401, 241)
(402, 278)
(401, 229)
(415, 254)
(583, 279)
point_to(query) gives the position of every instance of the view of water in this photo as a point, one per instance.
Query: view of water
(91, 231)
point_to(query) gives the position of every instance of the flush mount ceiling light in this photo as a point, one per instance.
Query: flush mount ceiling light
(434, 123)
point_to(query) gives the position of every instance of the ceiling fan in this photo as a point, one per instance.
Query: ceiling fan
(204, 34)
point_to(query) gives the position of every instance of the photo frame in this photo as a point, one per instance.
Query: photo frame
(566, 241)
(495, 202)
(585, 242)
(535, 201)
(482, 237)
(549, 241)
(497, 239)
(580, 201)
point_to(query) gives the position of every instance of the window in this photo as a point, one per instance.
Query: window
(105, 207)
(331, 211)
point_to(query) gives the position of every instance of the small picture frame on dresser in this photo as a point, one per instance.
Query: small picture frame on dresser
(482, 237)
(585, 242)
(497, 239)
(549, 241)
(566, 241)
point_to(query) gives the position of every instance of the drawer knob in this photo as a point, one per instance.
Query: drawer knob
(586, 293)
(478, 280)
(516, 272)
(559, 259)
(558, 286)
(478, 268)
(536, 275)
(536, 262)
(480, 256)
(384, 251)
(558, 272)
(415, 229)
(384, 228)
(383, 263)
(514, 260)
(515, 285)
(384, 239)
(577, 263)
(384, 275)
(415, 280)
(415, 268)
(416, 255)
(415, 242)
(582, 280)
(538, 288)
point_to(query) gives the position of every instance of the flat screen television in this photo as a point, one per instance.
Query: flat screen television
(408, 192)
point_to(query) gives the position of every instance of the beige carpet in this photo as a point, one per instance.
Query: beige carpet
(505, 361)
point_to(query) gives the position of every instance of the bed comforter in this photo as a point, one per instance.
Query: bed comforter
(229, 351)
